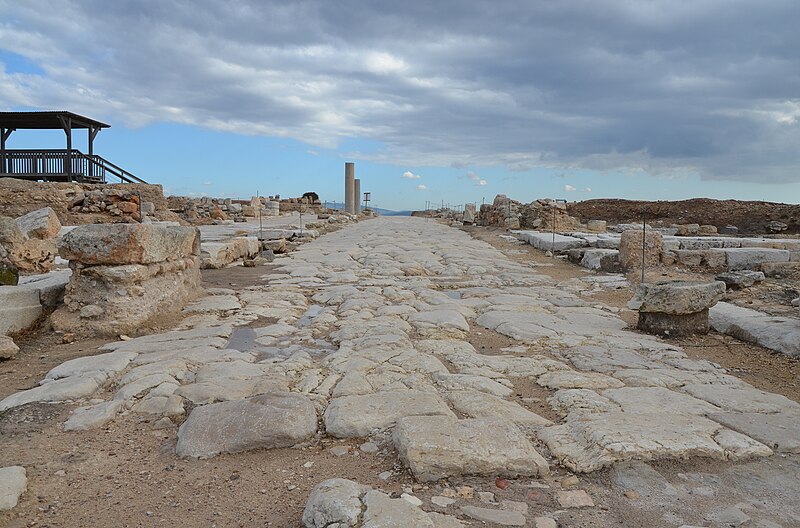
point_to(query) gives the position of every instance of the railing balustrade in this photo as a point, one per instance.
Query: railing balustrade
(52, 165)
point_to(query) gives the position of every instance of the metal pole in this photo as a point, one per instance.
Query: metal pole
(644, 237)
(553, 248)
(260, 224)
(141, 220)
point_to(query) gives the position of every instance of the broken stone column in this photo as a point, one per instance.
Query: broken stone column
(630, 249)
(676, 308)
(357, 195)
(469, 213)
(124, 275)
(349, 187)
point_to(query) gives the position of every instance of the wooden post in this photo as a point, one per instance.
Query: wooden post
(3, 150)
(92, 134)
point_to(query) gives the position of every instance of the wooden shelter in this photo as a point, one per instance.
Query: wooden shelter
(56, 165)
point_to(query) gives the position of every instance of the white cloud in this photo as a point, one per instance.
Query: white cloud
(475, 178)
(422, 187)
(410, 175)
(569, 188)
(587, 189)
(208, 183)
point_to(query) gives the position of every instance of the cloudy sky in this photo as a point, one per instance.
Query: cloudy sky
(453, 100)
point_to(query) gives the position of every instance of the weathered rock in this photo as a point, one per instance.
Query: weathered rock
(261, 422)
(92, 417)
(118, 244)
(8, 349)
(677, 297)
(574, 499)
(42, 224)
(71, 388)
(384, 512)
(10, 233)
(20, 308)
(13, 483)
(436, 447)
(33, 255)
(781, 334)
(9, 274)
(334, 502)
(740, 279)
(492, 516)
(354, 416)
(747, 258)
(630, 249)
(596, 226)
(588, 442)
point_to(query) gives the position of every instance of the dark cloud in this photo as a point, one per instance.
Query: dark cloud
(711, 86)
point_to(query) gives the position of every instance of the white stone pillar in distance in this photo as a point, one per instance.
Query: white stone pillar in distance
(349, 187)
(357, 194)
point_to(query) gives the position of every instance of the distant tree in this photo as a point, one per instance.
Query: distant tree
(311, 197)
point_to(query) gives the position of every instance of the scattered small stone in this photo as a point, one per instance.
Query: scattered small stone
(67, 338)
(517, 506)
(501, 483)
(290, 487)
(545, 522)
(60, 473)
(570, 482)
(339, 450)
(631, 494)
(796, 302)
(486, 496)
(416, 501)
(308, 464)
(442, 502)
(8, 349)
(501, 517)
(248, 263)
(386, 475)
(731, 516)
(574, 499)
(465, 492)
(369, 447)
(163, 423)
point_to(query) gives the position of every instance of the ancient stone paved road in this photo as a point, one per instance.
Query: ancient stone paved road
(365, 328)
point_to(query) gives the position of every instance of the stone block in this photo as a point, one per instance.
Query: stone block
(33, 255)
(673, 325)
(128, 243)
(780, 269)
(19, 308)
(781, 334)
(596, 226)
(42, 224)
(707, 230)
(13, 483)
(8, 348)
(630, 249)
(677, 297)
(688, 257)
(752, 258)
(740, 279)
(262, 422)
(436, 447)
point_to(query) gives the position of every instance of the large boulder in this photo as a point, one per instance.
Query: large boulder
(262, 422)
(117, 244)
(677, 297)
(42, 223)
(10, 233)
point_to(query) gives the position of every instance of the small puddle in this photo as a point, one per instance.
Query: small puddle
(242, 339)
(312, 312)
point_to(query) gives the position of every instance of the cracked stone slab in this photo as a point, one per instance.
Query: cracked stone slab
(647, 400)
(359, 415)
(572, 379)
(745, 399)
(779, 431)
(266, 421)
(438, 447)
(589, 442)
(476, 404)
(71, 388)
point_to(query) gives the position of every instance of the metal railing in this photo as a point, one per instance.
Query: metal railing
(53, 165)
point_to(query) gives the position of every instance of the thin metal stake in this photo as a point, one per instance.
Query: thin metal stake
(644, 237)
(553, 249)
(260, 225)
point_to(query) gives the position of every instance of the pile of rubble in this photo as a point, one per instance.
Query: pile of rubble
(207, 210)
(77, 204)
(116, 202)
(27, 244)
